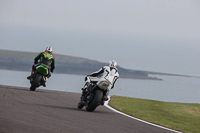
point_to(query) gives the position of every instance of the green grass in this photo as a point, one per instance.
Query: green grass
(184, 117)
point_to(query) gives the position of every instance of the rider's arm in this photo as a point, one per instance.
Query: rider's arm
(37, 58)
(53, 65)
(114, 82)
(94, 74)
(115, 79)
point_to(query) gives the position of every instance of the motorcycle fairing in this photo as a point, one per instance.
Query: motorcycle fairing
(42, 69)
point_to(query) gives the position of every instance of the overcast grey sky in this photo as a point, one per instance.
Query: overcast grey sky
(156, 35)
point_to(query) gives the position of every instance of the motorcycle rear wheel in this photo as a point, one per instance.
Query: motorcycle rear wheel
(36, 82)
(95, 101)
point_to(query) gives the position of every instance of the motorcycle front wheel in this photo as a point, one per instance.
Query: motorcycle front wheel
(95, 101)
(35, 82)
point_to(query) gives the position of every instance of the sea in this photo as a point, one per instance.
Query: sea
(170, 89)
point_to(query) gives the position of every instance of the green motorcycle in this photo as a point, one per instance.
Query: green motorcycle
(39, 77)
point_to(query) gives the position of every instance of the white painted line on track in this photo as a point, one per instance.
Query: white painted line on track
(106, 105)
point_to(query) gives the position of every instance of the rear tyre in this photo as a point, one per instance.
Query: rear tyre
(95, 101)
(35, 82)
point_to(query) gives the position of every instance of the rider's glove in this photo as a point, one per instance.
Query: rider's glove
(86, 78)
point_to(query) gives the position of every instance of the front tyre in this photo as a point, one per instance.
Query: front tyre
(36, 82)
(95, 101)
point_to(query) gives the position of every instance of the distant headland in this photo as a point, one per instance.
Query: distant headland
(23, 61)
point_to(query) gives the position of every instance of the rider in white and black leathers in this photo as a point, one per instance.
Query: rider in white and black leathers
(111, 69)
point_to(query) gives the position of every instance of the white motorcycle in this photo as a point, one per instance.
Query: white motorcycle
(95, 93)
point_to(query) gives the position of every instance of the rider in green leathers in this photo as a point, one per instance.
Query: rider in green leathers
(46, 58)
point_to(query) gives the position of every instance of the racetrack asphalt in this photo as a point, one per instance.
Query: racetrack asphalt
(47, 111)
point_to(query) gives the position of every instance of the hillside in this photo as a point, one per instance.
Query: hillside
(23, 61)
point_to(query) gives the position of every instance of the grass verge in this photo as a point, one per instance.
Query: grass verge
(184, 117)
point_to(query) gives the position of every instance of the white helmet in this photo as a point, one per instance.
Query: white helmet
(112, 63)
(49, 50)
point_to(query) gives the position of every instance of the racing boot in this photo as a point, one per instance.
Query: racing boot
(105, 98)
(45, 79)
(43, 84)
(29, 77)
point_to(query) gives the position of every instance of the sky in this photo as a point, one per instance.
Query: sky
(156, 35)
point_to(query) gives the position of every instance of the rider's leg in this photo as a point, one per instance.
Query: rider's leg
(105, 98)
(32, 72)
